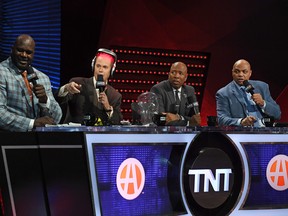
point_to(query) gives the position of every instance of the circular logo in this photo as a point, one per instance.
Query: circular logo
(130, 178)
(212, 174)
(211, 178)
(277, 172)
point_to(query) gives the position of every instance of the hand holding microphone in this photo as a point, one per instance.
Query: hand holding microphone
(256, 97)
(101, 85)
(38, 89)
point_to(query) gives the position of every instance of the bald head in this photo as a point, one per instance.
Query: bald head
(241, 71)
(24, 38)
(178, 74)
(242, 62)
(23, 51)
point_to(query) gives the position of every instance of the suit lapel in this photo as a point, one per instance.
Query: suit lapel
(239, 96)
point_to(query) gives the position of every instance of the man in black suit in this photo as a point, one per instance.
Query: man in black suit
(176, 100)
(85, 97)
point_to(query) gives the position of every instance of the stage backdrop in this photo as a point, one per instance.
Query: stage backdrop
(229, 30)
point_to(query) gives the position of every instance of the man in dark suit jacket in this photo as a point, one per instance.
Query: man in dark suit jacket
(232, 105)
(182, 112)
(82, 96)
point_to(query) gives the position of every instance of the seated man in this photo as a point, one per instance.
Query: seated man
(26, 102)
(176, 100)
(93, 96)
(237, 107)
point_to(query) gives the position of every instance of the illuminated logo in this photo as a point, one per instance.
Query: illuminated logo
(130, 178)
(209, 177)
(277, 172)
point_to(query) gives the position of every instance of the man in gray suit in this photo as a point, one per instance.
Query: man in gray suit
(22, 104)
(176, 100)
(84, 97)
(237, 107)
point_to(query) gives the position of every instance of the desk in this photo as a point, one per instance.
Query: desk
(187, 171)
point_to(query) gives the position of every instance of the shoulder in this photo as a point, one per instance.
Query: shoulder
(258, 83)
(226, 89)
(113, 91)
(162, 84)
(188, 88)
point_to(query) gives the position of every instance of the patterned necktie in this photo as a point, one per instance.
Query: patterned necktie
(24, 75)
(177, 104)
(252, 109)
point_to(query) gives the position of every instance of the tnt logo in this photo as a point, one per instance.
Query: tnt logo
(130, 178)
(277, 172)
(209, 177)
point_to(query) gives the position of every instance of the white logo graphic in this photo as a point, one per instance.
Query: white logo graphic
(130, 178)
(277, 172)
(209, 177)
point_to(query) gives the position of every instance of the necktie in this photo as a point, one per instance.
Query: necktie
(24, 75)
(252, 109)
(177, 104)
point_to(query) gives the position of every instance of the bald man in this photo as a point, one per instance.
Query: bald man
(237, 107)
(21, 103)
(179, 111)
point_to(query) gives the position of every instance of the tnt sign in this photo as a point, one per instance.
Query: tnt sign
(277, 172)
(209, 177)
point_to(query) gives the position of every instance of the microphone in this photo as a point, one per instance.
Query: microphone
(192, 102)
(31, 75)
(248, 87)
(100, 84)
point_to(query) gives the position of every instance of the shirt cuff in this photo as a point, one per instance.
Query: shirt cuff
(62, 92)
(239, 122)
(110, 112)
(31, 125)
(47, 104)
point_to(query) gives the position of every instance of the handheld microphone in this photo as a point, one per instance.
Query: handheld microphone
(31, 75)
(248, 87)
(192, 102)
(100, 84)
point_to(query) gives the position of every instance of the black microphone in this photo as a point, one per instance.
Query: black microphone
(248, 87)
(31, 75)
(100, 84)
(192, 102)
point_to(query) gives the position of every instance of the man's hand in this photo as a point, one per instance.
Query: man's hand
(195, 120)
(248, 121)
(42, 121)
(257, 98)
(172, 117)
(72, 88)
(104, 100)
(40, 93)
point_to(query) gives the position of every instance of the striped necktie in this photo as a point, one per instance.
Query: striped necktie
(24, 75)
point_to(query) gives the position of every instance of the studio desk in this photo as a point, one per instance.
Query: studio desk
(136, 170)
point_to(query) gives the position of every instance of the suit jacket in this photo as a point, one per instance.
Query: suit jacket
(86, 102)
(16, 108)
(167, 101)
(231, 105)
